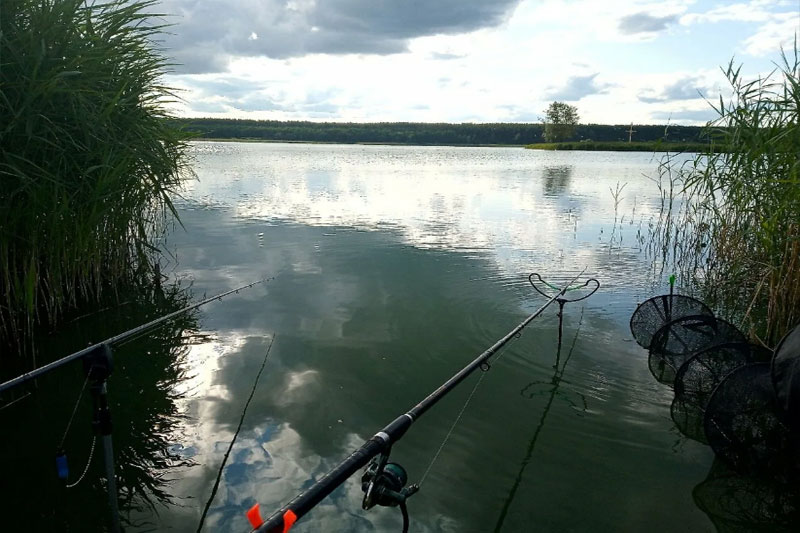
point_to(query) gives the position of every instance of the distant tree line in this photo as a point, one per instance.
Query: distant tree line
(420, 133)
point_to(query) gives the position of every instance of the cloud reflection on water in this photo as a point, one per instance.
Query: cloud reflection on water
(390, 260)
(468, 199)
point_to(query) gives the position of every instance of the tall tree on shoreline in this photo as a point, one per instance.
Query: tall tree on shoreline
(560, 120)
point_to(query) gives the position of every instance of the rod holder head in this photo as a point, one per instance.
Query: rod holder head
(98, 364)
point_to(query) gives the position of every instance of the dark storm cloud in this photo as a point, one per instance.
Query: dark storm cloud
(645, 23)
(206, 33)
(687, 88)
(577, 87)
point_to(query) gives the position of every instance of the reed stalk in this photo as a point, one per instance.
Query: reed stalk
(729, 222)
(88, 161)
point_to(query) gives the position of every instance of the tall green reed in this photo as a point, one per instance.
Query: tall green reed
(88, 161)
(730, 222)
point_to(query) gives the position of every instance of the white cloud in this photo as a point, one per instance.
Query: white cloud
(770, 37)
(687, 87)
(508, 71)
(578, 87)
(778, 22)
(739, 12)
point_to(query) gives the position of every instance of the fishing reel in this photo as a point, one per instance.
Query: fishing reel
(384, 484)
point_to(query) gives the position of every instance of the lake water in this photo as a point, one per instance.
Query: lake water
(391, 268)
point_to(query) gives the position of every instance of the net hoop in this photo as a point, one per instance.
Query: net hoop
(653, 313)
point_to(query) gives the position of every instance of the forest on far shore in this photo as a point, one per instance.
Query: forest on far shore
(421, 133)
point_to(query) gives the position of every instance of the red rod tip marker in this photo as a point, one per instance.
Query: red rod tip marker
(254, 516)
(289, 518)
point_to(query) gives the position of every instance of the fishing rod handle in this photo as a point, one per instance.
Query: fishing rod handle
(284, 518)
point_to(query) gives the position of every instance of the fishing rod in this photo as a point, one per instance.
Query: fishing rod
(383, 482)
(98, 365)
(115, 339)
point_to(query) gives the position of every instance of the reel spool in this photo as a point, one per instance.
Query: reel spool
(384, 484)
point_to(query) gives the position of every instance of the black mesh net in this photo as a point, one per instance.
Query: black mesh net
(682, 338)
(786, 376)
(652, 314)
(699, 376)
(744, 425)
(741, 399)
(743, 504)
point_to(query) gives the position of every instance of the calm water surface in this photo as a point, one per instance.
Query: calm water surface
(393, 267)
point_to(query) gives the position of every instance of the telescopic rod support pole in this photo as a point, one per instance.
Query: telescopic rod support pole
(104, 413)
(98, 364)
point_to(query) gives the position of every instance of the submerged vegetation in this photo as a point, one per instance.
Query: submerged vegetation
(731, 221)
(88, 161)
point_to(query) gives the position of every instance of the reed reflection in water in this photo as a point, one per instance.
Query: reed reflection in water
(145, 402)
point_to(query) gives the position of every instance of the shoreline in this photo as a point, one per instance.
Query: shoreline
(361, 143)
(584, 146)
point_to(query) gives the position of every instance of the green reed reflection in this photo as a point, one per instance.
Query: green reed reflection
(144, 399)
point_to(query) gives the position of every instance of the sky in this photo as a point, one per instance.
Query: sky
(617, 61)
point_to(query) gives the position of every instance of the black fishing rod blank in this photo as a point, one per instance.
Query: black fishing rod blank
(19, 380)
(381, 443)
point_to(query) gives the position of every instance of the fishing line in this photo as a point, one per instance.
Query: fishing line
(12, 402)
(452, 427)
(74, 410)
(86, 468)
(235, 435)
(61, 455)
(484, 371)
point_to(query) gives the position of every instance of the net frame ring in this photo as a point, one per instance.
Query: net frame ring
(745, 352)
(744, 503)
(705, 370)
(561, 298)
(653, 313)
(785, 377)
(766, 447)
(665, 363)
